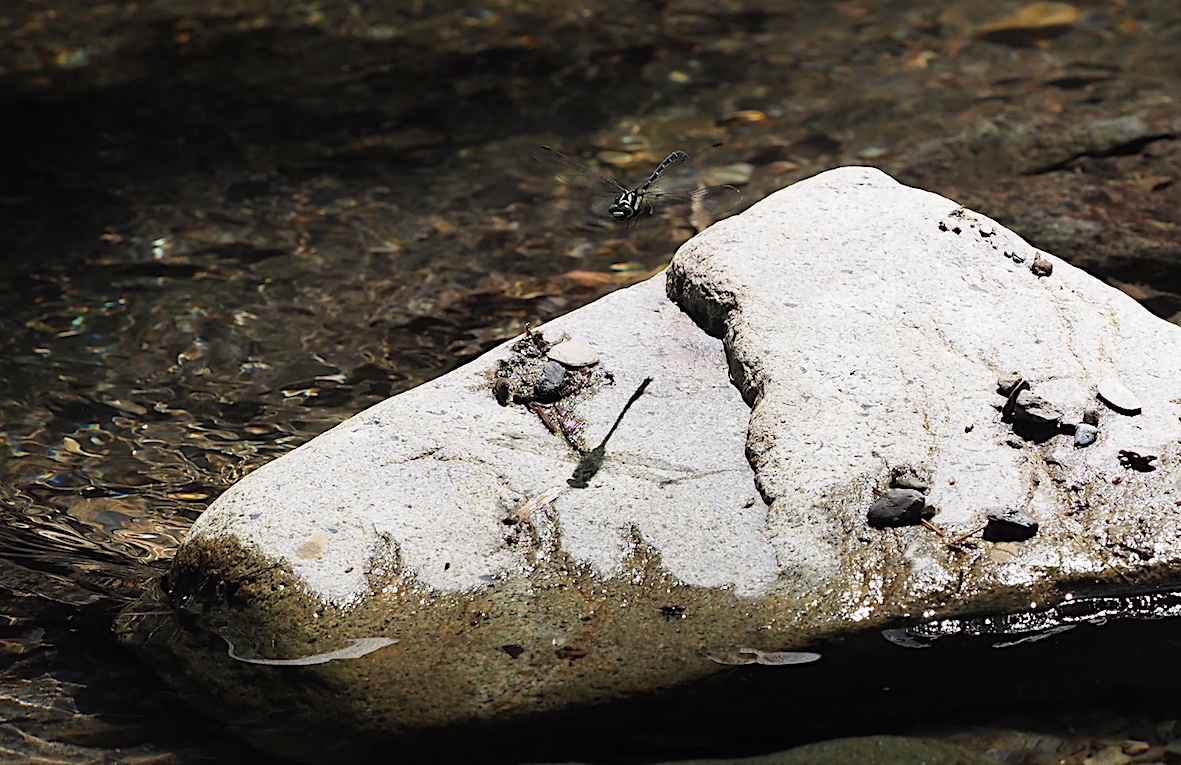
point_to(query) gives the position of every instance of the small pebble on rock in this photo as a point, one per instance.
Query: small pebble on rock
(1085, 435)
(897, 507)
(1008, 524)
(549, 384)
(1006, 383)
(1116, 395)
(574, 353)
(1035, 409)
(1040, 266)
(907, 479)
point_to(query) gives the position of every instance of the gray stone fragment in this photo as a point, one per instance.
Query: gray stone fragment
(1085, 435)
(1033, 408)
(897, 507)
(907, 479)
(549, 383)
(1009, 524)
(1117, 396)
(1033, 418)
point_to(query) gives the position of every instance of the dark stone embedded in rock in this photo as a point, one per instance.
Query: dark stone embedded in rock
(1009, 524)
(549, 384)
(1032, 417)
(897, 507)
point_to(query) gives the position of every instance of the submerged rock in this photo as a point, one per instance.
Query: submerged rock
(867, 750)
(454, 520)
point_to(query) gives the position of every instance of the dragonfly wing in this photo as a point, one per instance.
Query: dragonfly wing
(598, 208)
(570, 172)
(715, 199)
(711, 201)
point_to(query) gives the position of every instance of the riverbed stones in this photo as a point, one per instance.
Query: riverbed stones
(790, 386)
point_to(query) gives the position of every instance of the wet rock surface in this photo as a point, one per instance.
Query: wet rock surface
(392, 526)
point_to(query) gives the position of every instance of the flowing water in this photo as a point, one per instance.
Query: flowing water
(228, 226)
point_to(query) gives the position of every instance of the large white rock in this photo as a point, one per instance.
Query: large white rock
(865, 323)
(868, 324)
(438, 468)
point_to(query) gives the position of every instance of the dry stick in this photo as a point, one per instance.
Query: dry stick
(962, 537)
(545, 418)
(932, 527)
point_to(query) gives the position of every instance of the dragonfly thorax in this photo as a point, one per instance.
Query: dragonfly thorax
(629, 205)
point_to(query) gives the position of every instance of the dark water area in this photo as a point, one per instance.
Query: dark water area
(227, 226)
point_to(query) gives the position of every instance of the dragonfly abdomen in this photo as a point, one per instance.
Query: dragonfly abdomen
(676, 156)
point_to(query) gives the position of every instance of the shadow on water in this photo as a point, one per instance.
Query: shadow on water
(226, 229)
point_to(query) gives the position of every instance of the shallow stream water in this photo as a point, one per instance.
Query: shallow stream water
(227, 226)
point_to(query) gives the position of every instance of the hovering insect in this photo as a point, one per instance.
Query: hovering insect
(659, 194)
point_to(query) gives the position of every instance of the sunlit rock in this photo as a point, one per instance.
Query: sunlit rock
(578, 560)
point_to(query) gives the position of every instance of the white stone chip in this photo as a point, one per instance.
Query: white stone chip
(1116, 395)
(574, 353)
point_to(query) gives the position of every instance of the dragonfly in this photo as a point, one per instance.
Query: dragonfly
(661, 193)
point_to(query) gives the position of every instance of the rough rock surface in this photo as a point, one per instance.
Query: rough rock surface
(864, 323)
